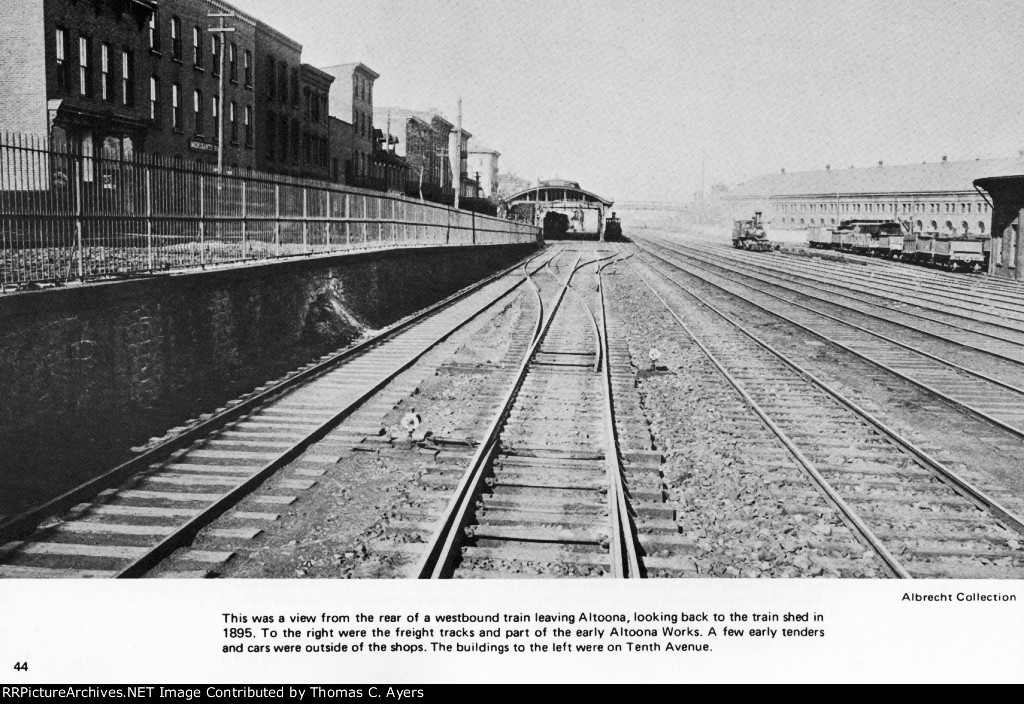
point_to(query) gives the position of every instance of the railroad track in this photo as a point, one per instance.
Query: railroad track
(916, 516)
(548, 492)
(127, 521)
(949, 315)
(960, 299)
(993, 400)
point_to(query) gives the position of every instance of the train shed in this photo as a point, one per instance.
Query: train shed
(1007, 193)
(582, 213)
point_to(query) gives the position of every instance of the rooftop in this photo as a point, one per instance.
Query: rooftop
(935, 177)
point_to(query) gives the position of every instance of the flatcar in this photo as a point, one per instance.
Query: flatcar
(948, 251)
(888, 238)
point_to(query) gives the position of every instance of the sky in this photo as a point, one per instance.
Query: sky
(648, 99)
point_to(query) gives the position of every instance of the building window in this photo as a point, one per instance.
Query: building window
(127, 78)
(981, 227)
(271, 135)
(176, 106)
(271, 79)
(197, 47)
(296, 142)
(154, 33)
(197, 108)
(248, 68)
(154, 99)
(61, 52)
(295, 88)
(105, 91)
(248, 125)
(282, 80)
(233, 117)
(284, 138)
(88, 174)
(233, 62)
(84, 69)
(176, 39)
(215, 54)
(215, 114)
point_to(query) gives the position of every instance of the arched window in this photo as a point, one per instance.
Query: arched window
(949, 227)
(935, 227)
(981, 227)
(918, 226)
(965, 229)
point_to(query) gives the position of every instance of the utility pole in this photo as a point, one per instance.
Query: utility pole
(702, 194)
(457, 164)
(220, 31)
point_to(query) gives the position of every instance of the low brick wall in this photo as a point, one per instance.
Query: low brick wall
(88, 372)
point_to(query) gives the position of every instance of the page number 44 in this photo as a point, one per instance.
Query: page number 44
(21, 666)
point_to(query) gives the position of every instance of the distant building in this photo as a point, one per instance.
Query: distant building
(352, 101)
(423, 141)
(932, 198)
(583, 213)
(292, 125)
(510, 184)
(483, 160)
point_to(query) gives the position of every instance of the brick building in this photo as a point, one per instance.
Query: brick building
(937, 197)
(179, 82)
(292, 119)
(123, 76)
(423, 141)
(483, 161)
(351, 101)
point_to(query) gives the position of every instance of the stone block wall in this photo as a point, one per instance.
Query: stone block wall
(90, 371)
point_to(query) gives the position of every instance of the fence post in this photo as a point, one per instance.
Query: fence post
(149, 218)
(348, 216)
(78, 217)
(277, 218)
(244, 214)
(329, 221)
(305, 221)
(202, 223)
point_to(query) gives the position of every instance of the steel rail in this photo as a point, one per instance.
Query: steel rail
(851, 517)
(966, 407)
(802, 275)
(921, 293)
(23, 523)
(439, 558)
(626, 555)
(998, 355)
(185, 533)
(968, 490)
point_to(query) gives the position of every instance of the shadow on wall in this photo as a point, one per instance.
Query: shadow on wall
(92, 372)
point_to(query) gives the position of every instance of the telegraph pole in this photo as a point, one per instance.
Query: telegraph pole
(458, 157)
(220, 31)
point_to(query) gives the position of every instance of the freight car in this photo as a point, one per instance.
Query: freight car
(888, 238)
